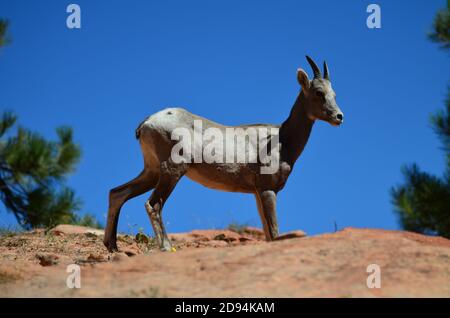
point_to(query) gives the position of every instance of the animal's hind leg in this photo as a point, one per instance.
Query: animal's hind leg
(144, 182)
(169, 176)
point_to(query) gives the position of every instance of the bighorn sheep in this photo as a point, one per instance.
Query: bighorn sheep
(316, 101)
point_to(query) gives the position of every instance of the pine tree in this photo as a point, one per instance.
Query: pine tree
(4, 38)
(441, 27)
(33, 172)
(423, 201)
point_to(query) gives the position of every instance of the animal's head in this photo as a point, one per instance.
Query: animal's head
(320, 95)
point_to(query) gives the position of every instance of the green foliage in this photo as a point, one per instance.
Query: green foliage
(33, 171)
(441, 27)
(441, 124)
(423, 201)
(88, 220)
(32, 175)
(237, 227)
(4, 38)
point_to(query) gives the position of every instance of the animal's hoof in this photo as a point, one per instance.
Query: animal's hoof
(290, 235)
(167, 247)
(111, 246)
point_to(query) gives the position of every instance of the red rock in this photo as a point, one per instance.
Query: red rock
(255, 232)
(327, 265)
(205, 235)
(47, 259)
(96, 258)
(74, 229)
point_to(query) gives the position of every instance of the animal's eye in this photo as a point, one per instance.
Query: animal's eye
(320, 94)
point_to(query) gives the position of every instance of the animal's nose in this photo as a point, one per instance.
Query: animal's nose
(340, 117)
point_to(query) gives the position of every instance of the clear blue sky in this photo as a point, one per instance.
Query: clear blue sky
(234, 62)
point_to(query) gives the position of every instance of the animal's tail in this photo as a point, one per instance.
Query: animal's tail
(137, 132)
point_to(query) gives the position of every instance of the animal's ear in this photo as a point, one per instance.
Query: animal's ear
(303, 79)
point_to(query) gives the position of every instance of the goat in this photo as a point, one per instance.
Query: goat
(316, 101)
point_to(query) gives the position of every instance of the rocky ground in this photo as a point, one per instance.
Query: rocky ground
(224, 263)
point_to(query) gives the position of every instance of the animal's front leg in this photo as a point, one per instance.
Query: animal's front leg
(267, 203)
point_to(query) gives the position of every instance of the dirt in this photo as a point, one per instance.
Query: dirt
(224, 263)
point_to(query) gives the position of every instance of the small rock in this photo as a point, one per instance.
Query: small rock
(254, 232)
(91, 234)
(226, 237)
(215, 243)
(74, 229)
(47, 259)
(96, 258)
(119, 257)
(129, 252)
(125, 238)
(220, 237)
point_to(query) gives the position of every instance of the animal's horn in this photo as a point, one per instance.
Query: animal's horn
(326, 74)
(314, 67)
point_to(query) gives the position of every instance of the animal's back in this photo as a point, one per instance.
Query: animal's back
(166, 120)
(155, 135)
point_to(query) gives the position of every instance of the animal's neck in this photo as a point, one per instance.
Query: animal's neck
(295, 131)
